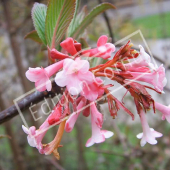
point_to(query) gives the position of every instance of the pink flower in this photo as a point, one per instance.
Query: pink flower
(73, 118)
(98, 135)
(93, 90)
(41, 76)
(71, 46)
(143, 60)
(149, 135)
(129, 67)
(103, 49)
(86, 111)
(165, 111)
(55, 115)
(35, 137)
(58, 55)
(156, 78)
(73, 75)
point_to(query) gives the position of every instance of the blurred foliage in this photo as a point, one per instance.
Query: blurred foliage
(154, 26)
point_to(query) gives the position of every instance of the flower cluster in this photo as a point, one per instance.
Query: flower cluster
(84, 88)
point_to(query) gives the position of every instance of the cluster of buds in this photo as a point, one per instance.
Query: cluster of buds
(84, 88)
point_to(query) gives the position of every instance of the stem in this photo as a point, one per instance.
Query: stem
(112, 77)
(52, 146)
(26, 102)
(105, 16)
(50, 60)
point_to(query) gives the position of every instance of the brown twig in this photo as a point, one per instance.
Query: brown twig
(105, 16)
(24, 104)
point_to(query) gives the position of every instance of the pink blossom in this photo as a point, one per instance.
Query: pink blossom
(93, 90)
(143, 60)
(73, 118)
(165, 111)
(35, 137)
(41, 76)
(55, 115)
(86, 111)
(149, 135)
(139, 69)
(103, 49)
(73, 75)
(58, 55)
(156, 78)
(71, 46)
(98, 135)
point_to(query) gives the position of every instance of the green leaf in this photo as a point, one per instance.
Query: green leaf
(39, 16)
(74, 17)
(89, 18)
(76, 9)
(59, 16)
(33, 36)
(76, 21)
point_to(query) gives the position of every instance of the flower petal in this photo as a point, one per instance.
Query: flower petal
(140, 135)
(73, 118)
(167, 118)
(74, 86)
(41, 85)
(102, 40)
(68, 45)
(143, 142)
(48, 85)
(71, 122)
(92, 95)
(87, 77)
(62, 79)
(34, 74)
(89, 142)
(107, 134)
(58, 55)
(25, 129)
(155, 133)
(82, 65)
(100, 138)
(68, 64)
(31, 141)
(152, 141)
